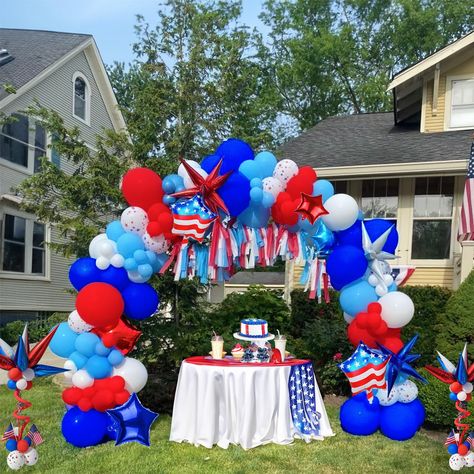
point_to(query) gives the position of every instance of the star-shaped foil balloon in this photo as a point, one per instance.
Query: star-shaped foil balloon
(207, 187)
(375, 254)
(400, 363)
(450, 373)
(132, 421)
(311, 207)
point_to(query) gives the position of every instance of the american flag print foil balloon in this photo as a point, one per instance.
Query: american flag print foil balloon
(191, 218)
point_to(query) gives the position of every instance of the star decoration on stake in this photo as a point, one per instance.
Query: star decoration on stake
(206, 187)
(450, 373)
(400, 363)
(311, 207)
(374, 253)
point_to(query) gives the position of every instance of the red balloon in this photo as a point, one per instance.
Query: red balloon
(84, 404)
(72, 395)
(311, 207)
(100, 305)
(103, 400)
(455, 387)
(394, 343)
(121, 397)
(154, 228)
(15, 374)
(462, 449)
(157, 209)
(117, 383)
(142, 187)
(123, 336)
(22, 446)
(374, 308)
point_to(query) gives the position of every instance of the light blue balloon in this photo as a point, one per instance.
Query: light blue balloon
(168, 184)
(393, 287)
(255, 217)
(356, 296)
(128, 243)
(102, 350)
(324, 188)
(145, 270)
(256, 195)
(256, 183)
(268, 200)
(266, 162)
(178, 180)
(86, 342)
(168, 200)
(114, 230)
(151, 256)
(115, 357)
(161, 259)
(79, 359)
(62, 343)
(140, 256)
(179, 189)
(130, 264)
(98, 367)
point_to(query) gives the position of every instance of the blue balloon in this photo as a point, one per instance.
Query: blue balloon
(145, 270)
(324, 188)
(10, 445)
(233, 152)
(86, 342)
(130, 264)
(236, 193)
(128, 243)
(453, 397)
(359, 417)
(115, 357)
(401, 421)
(256, 183)
(82, 272)
(114, 230)
(98, 367)
(141, 300)
(80, 360)
(209, 163)
(255, 217)
(11, 384)
(355, 297)
(102, 350)
(345, 265)
(268, 200)
(63, 342)
(256, 195)
(452, 449)
(140, 256)
(168, 200)
(84, 428)
(170, 183)
(117, 277)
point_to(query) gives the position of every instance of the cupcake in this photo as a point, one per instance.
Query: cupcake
(237, 352)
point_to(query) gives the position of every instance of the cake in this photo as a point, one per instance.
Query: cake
(237, 352)
(254, 328)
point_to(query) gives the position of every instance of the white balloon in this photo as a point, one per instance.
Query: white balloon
(134, 219)
(21, 384)
(107, 248)
(348, 318)
(77, 324)
(373, 280)
(28, 374)
(82, 379)
(285, 170)
(15, 460)
(135, 277)
(380, 290)
(343, 212)
(388, 279)
(31, 457)
(456, 462)
(272, 186)
(184, 174)
(407, 391)
(94, 245)
(133, 372)
(467, 387)
(469, 459)
(461, 396)
(397, 309)
(156, 244)
(117, 261)
(102, 263)
(71, 368)
(385, 399)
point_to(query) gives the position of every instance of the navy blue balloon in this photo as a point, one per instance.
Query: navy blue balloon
(209, 163)
(401, 421)
(84, 428)
(236, 193)
(141, 300)
(117, 277)
(82, 272)
(359, 417)
(346, 264)
(233, 152)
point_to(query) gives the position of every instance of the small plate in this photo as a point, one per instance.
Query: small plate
(223, 355)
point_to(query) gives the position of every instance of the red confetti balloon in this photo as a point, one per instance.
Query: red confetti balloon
(100, 305)
(142, 187)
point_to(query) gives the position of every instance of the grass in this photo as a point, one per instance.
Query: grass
(340, 454)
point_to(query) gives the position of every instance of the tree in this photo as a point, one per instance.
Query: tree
(332, 57)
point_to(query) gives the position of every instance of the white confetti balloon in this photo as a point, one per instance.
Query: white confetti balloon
(456, 462)
(133, 372)
(77, 324)
(385, 399)
(82, 379)
(397, 309)
(343, 212)
(156, 244)
(71, 368)
(285, 170)
(134, 219)
(95, 243)
(31, 457)
(407, 391)
(184, 174)
(272, 186)
(469, 459)
(15, 460)
(117, 261)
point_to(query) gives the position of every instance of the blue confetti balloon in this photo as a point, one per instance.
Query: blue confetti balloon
(359, 417)
(82, 272)
(346, 264)
(401, 421)
(63, 342)
(356, 296)
(141, 300)
(86, 342)
(98, 367)
(83, 429)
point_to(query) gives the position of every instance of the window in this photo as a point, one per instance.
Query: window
(23, 245)
(81, 97)
(462, 103)
(432, 218)
(340, 187)
(379, 198)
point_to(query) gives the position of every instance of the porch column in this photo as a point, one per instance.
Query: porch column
(467, 258)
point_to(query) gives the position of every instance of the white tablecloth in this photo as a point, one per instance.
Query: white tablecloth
(244, 405)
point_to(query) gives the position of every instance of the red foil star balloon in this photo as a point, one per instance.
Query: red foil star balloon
(206, 187)
(311, 207)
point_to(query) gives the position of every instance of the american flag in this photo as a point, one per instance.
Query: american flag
(191, 218)
(9, 433)
(301, 386)
(466, 222)
(35, 435)
(451, 439)
(365, 370)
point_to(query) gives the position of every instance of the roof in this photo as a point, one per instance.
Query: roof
(373, 139)
(432, 60)
(257, 278)
(34, 51)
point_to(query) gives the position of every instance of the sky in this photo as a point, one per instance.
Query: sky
(109, 21)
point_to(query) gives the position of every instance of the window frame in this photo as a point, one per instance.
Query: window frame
(30, 219)
(449, 101)
(87, 119)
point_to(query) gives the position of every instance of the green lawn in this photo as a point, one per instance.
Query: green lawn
(340, 454)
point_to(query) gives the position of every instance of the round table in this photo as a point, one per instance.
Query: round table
(228, 402)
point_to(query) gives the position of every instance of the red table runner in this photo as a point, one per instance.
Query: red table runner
(206, 360)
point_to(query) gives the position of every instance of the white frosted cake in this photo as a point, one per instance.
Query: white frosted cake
(253, 328)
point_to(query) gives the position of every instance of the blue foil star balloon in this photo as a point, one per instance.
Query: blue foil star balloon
(400, 364)
(132, 422)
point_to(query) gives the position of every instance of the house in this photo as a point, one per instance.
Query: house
(64, 72)
(408, 165)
